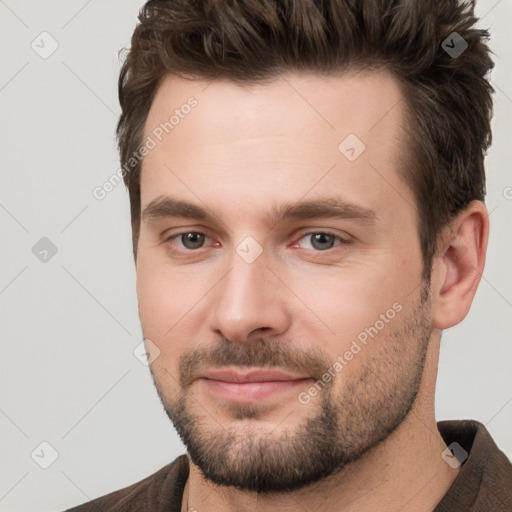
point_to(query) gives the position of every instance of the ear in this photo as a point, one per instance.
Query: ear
(458, 265)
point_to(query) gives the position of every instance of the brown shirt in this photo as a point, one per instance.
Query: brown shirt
(484, 483)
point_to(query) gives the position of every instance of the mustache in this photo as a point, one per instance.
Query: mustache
(262, 353)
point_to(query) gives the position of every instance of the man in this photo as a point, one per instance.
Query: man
(306, 183)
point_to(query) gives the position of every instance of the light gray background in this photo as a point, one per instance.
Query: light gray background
(69, 326)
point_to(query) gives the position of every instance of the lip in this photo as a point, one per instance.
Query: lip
(249, 386)
(251, 375)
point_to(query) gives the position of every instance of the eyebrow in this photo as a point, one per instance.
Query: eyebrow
(329, 207)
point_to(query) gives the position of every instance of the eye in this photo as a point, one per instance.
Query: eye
(190, 239)
(322, 240)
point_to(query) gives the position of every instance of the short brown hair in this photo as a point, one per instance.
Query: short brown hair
(448, 98)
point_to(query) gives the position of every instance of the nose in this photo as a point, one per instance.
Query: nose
(249, 301)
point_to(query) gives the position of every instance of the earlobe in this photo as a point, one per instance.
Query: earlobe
(459, 265)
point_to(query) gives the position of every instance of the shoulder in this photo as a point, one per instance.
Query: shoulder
(153, 493)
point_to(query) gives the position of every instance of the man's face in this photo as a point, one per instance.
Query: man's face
(329, 308)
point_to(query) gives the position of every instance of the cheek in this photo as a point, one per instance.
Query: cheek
(350, 296)
(354, 312)
(157, 297)
(159, 311)
(169, 303)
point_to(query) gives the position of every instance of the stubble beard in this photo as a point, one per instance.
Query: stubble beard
(343, 425)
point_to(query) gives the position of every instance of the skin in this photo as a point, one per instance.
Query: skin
(238, 153)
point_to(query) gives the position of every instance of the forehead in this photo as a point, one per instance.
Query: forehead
(281, 136)
(357, 102)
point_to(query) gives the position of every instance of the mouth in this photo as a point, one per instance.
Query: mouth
(249, 386)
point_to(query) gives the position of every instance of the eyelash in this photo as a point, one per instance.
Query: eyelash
(343, 241)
